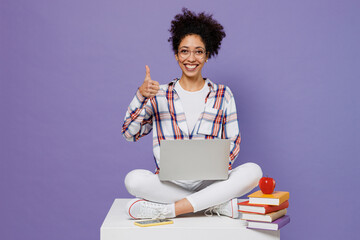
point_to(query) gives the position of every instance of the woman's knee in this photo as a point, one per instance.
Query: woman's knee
(253, 170)
(136, 181)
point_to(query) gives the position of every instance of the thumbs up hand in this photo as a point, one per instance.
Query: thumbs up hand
(149, 88)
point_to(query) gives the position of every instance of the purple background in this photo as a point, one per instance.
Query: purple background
(69, 69)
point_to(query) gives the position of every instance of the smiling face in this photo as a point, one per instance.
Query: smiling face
(191, 56)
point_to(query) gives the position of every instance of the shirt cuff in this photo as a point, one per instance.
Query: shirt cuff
(140, 97)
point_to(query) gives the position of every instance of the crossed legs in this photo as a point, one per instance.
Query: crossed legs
(145, 184)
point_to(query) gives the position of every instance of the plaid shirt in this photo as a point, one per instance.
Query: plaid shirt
(164, 113)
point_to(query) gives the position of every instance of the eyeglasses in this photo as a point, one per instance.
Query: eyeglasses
(198, 53)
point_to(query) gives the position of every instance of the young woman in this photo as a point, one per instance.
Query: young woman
(189, 107)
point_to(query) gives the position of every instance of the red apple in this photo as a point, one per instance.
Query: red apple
(267, 185)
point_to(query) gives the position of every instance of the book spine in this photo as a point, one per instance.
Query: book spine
(278, 214)
(283, 221)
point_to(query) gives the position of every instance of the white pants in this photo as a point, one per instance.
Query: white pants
(201, 194)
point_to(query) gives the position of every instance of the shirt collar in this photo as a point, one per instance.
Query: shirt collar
(209, 82)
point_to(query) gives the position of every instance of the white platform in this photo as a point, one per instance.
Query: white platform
(117, 226)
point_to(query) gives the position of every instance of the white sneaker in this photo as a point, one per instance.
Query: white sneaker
(229, 208)
(140, 208)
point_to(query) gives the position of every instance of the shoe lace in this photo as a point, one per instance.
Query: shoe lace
(155, 210)
(210, 211)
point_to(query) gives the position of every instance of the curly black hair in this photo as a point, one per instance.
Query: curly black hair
(202, 24)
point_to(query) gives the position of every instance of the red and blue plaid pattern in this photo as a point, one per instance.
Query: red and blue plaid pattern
(163, 114)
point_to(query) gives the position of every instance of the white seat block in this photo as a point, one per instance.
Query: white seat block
(117, 226)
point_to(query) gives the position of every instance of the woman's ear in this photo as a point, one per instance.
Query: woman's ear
(207, 56)
(176, 57)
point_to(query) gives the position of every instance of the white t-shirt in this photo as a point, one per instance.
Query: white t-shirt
(193, 103)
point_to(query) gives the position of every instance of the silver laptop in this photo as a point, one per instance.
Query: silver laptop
(194, 159)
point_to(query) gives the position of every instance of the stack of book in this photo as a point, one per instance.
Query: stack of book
(266, 211)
